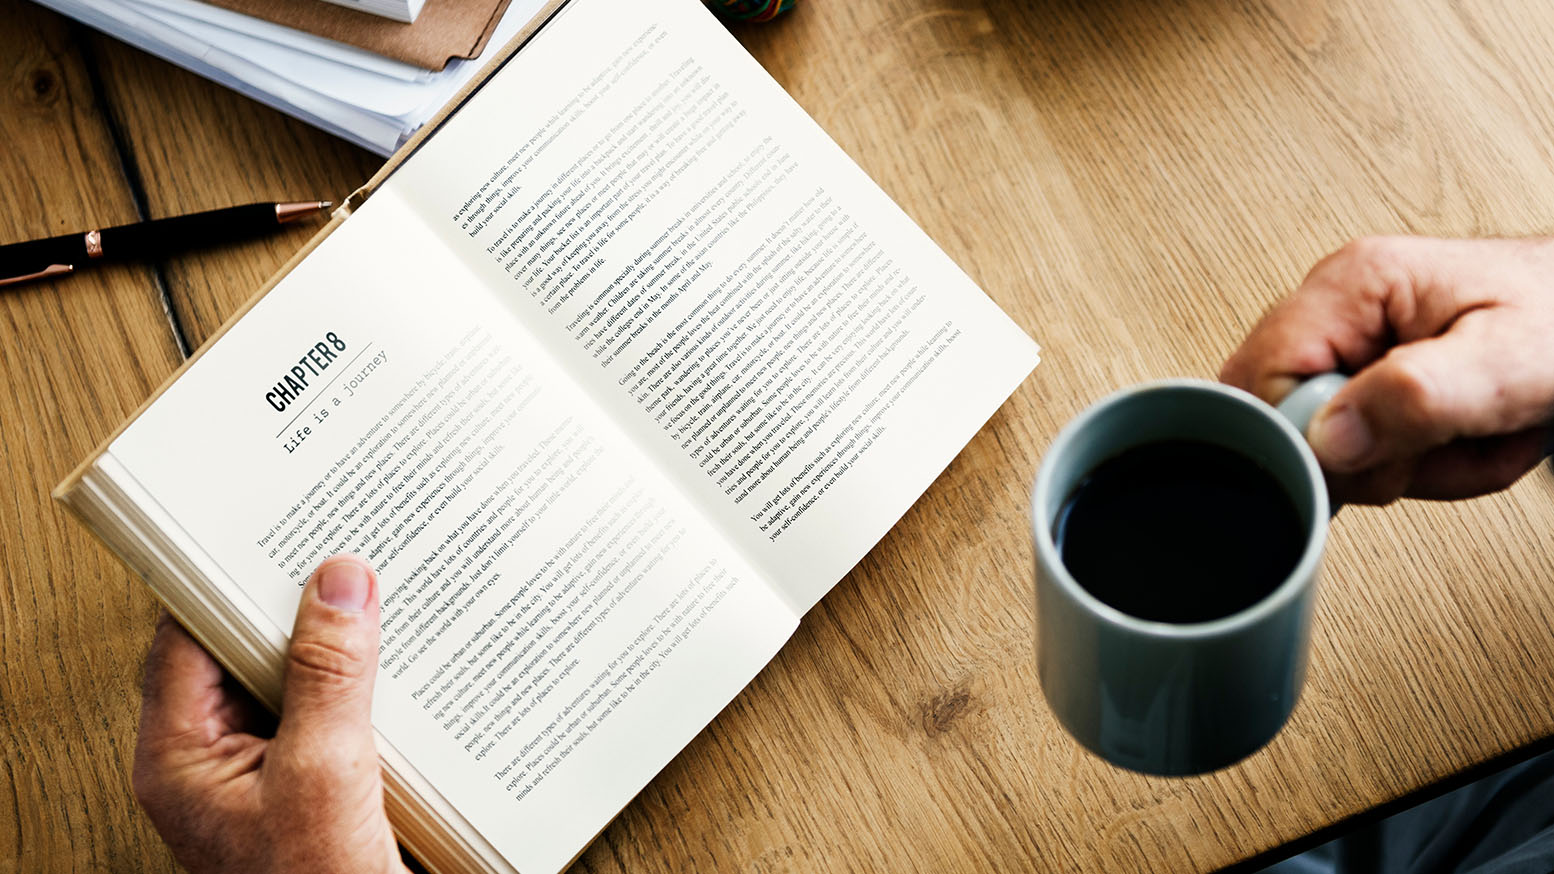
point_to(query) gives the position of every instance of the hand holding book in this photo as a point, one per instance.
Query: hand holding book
(622, 374)
(228, 789)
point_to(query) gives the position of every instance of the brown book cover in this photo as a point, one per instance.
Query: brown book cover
(445, 29)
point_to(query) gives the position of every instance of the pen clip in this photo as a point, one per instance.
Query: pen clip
(46, 273)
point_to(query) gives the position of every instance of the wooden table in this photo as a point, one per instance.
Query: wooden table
(1132, 181)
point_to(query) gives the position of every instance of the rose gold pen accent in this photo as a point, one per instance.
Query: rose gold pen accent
(47, 272)
(94, 244)
(290, 212)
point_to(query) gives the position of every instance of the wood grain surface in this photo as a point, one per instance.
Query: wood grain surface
(75, 358)
(1132, 181)
(195, 145)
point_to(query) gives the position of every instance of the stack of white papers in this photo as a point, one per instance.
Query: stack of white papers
(373, 101)
(399, 10)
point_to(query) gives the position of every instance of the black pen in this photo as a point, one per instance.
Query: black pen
(57, 256)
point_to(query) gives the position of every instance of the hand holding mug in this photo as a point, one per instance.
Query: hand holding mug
(1180, 660)
(1451, 343)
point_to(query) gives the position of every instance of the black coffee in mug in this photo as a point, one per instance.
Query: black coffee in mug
(1179, 531)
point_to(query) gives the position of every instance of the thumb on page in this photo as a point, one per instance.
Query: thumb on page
(326, 707)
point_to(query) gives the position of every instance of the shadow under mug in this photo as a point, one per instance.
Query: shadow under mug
(1160, 697)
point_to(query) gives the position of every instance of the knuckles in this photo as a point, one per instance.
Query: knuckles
(1374, 254)
(1375, 266)
(1371, 250)
(326, 662)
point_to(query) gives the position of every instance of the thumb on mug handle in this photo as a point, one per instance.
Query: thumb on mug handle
(1301, 405)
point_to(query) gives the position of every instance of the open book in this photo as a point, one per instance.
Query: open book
(611, 379)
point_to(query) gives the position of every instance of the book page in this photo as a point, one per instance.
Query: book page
(557, 621)
(752, 309)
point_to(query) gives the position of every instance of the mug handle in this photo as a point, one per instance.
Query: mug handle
(1302, 404)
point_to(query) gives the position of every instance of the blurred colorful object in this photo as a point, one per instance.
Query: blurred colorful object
(749, 10)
